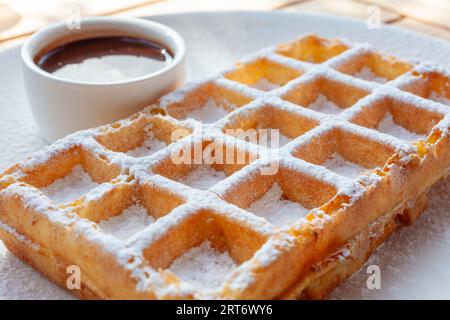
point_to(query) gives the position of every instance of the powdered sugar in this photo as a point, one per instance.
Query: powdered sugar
(367, 74)
(203, 177)
(265, 85)
(20, 281)
(128, 223)
(148, 147)
(71, 187)
(388, 125)
(203, 266)
(322, 104)
(208, 113)
(338, 164)
(207, 52)
(276, 209)
(406, 256)
(7, 228)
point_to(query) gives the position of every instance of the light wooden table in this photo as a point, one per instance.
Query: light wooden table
(20, 18)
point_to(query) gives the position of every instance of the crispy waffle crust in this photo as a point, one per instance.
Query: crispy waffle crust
(347, 219)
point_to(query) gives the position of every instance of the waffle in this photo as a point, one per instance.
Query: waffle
(364, 136)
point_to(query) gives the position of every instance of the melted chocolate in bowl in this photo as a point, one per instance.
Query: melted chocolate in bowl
(105, 59)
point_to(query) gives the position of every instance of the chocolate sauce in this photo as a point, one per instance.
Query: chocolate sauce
(105, 59)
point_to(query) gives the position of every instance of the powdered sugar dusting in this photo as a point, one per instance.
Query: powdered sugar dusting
(338, 164)
(265, 85)
(208, 55)
(404, 257)
(388, 125)
(276, 209)
(20, 281)
(208, 113)
(128, 223)
(7, 228)
(367, 74)
(71, 187)
(150, 146)
(203, 266)
(203, 177)
(322, 104)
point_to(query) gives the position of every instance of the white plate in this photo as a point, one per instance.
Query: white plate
(414, 263)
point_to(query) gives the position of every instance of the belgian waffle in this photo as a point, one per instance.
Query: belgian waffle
(364, 136)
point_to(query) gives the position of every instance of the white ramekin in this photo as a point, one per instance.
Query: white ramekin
(61, 106)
